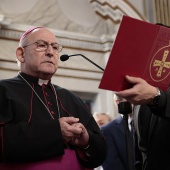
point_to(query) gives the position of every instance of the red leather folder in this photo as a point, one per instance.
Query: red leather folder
(141, 49)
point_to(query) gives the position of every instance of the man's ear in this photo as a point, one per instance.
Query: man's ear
(117, 101)
(20, 54)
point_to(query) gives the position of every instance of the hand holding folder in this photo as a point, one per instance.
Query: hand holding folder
(140, 93)
(141, 49)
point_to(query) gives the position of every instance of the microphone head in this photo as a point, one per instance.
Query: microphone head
(64, 57)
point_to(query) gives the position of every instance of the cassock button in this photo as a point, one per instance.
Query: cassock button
(52, 112)
(46, 94)
(49, 103)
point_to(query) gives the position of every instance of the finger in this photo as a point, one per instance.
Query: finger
(77, 125)
(133, 80)
(76, 130)
(129, 93)
(70, 120)
(80, 126)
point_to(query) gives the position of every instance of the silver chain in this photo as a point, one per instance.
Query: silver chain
(41, 99)
(56, 100)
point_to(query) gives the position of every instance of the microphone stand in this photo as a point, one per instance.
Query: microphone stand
(124, 108)
(88, 60)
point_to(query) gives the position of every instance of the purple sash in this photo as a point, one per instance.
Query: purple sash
(68, 161)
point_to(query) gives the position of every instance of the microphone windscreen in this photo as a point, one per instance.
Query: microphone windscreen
(64, 57)
(125, 108)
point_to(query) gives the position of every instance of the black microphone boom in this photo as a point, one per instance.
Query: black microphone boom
(66, 57)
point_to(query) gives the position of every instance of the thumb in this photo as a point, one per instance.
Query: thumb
(133, 80)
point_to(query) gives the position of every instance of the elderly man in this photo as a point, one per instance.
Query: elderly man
(44, 126)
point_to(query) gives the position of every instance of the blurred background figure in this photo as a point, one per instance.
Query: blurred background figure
(101, 118)
(114, 133)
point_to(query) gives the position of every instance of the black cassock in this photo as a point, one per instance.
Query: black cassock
(27, 130)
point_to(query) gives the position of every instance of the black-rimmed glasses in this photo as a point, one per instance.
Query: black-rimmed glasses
(43, 45)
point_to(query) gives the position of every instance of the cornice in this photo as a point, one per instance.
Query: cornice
(115, 9)
(67, 39)
(112, 9)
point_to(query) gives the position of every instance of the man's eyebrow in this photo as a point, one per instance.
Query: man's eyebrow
(41, 40)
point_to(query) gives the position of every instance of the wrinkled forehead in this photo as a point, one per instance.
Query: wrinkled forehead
(28, 32)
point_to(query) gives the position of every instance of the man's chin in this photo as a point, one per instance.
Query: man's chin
(49, 70)
(47, 74)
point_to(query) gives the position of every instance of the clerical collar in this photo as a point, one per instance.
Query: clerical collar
(35, 80)
(41, 82)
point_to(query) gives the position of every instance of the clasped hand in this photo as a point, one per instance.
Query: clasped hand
(73, 132)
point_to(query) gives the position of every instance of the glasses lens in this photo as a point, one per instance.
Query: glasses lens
(57, 47)
(41, 46)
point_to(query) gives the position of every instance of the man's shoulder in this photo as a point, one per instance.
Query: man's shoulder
(9, 81)
(112, 124)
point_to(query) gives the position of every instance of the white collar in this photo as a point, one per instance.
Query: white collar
(41, 82)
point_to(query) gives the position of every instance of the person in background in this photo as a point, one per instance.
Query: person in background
(114, 133)
(151, 121)
(101, 118)
(44, 126)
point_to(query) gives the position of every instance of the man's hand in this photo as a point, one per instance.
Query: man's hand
(140, 93)
(82, 140)
(73, 132)
(69, 132)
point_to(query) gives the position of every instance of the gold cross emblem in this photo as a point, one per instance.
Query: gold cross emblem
(162, 64)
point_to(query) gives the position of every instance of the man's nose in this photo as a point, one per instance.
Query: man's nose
(49, 50)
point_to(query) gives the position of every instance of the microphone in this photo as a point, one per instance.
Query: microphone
(66, 57)
(125, 107)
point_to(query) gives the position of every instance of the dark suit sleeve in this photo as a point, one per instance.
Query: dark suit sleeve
(98, 148)
(138, 155)
(112, 161)
(163, 108)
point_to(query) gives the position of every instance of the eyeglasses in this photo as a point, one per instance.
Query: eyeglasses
(43, 45)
